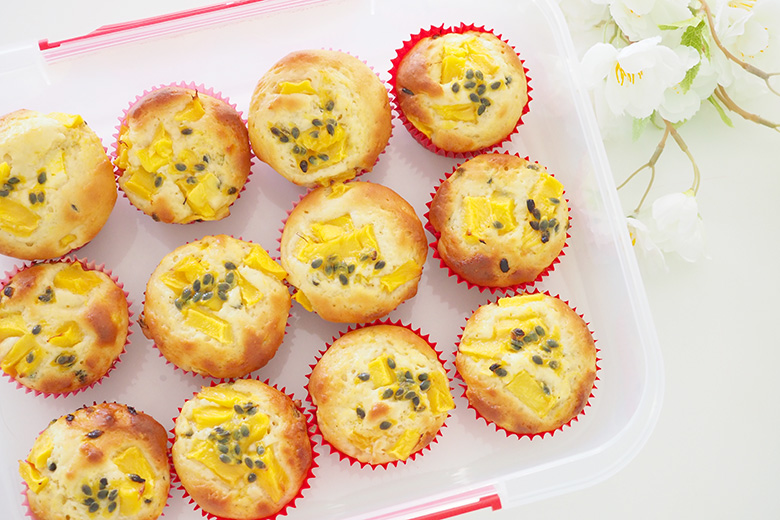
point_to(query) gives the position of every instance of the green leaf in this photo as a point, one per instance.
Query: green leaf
(639, 126)
(690, 75)
(694, 37)
(723, 116)
(679, 25)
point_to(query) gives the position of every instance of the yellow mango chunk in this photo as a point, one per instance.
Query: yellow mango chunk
(210, 416)
(67, 335)
(337, 190)
(129, 499)
(159, 153)
(205, 453)
(258, 427)
(260, 260)
(35, 481)
(319, 141)
(405, 272)
(223, 396)
(30, 362)
(122, 148)
(186, 271)
(405, 444)
(250, 294)
(67, 240)
(141, 183)
(452, 67)
(480, 57)
(380, 372)
(350, 245)
(12, 325)
(531, 392)
(40, 454)
(301, 298)
(548, 187)
(419, 125)
(439, 396)
(5, 171)
(479, 349)
(19, 351)
(56, 165)
(486, 213)
(521, 299)
(69, 120)
(209, 324)
(302, 87)
(198, 196)
(75, 279)
(458, 112)
(132, 461)
(332, 229)
(192, 112)
(273, 479)
(16, 218)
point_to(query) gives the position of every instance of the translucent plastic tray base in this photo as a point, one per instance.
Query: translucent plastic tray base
(98, 77)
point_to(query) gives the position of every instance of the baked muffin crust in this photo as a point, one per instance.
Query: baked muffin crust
(528, 361)
(57, 185)
(319, 116)
(353, 251)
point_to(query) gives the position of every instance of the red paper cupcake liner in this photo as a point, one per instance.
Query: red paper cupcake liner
(509, 288)
(193, 373)
(26, 488)
(200, 88)
(310, 427)
(333, 449)
(420, 137)
(542, 434)
(88, 266)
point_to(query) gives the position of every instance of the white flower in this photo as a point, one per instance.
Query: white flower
(681, 104)
(635, 77)
(678, 225)
(584, 14)
(640, 19)
(642, 240)
(750, 29)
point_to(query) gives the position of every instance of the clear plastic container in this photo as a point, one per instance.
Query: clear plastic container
(228, 48)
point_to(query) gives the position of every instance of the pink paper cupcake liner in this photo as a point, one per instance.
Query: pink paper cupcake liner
(350, 459)
(200, 88)
(88, 266)
(193, 373)
(289, 506)
(509, 288)
(531, 436)
(419, 136)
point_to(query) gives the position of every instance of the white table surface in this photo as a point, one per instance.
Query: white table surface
(714, 452)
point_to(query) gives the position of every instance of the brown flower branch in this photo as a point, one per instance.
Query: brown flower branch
(669, 129)
(751, 69)
(724, 98)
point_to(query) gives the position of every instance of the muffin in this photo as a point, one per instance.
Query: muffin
(501, 221)
(217, 306)
(62, 327)
(528, 362)
(460, 90)
(381, 394)
(183, 155)
(353, 251)
(101, 461)
(242, 450)
(57, 185)
(319, 116)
